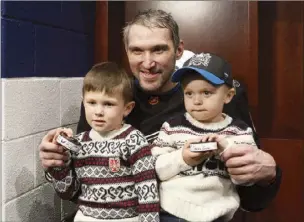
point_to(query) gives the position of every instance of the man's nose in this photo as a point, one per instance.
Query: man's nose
(148, 60)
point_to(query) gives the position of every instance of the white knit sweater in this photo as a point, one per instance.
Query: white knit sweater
(205, 192)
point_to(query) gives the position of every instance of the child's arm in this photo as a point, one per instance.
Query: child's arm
(64, 181)
(169, 160)
(244, 136)
(225, 142)
(142, 164)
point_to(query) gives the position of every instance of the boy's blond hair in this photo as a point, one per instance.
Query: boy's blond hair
(110, 78)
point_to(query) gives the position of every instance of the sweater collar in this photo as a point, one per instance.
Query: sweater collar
(210, 126)
(94, 135)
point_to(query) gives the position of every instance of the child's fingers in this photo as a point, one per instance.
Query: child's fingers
(213, 138)
(209, 138)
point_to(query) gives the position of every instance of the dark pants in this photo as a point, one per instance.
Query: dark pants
(166, 217)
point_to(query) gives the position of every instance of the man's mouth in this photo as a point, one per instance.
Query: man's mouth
(149, 75)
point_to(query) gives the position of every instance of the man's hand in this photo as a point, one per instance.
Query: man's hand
(247, 164)
(51, 153)
(195, 158)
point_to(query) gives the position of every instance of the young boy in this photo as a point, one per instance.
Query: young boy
(114, 169)
(200, 188)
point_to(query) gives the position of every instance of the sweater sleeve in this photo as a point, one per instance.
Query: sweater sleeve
(169, 160)
(242, 136)
(64, 181)
(142, 165)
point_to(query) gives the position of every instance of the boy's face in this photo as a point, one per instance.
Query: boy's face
(203, 101)
(152, 57)
(105, 112)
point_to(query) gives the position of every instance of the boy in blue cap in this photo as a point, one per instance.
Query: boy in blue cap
(201, 190)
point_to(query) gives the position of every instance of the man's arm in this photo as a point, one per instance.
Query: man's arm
(256, 197)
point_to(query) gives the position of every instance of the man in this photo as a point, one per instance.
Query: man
(153, 45)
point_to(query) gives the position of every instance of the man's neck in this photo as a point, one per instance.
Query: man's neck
(164, 90)
(167, 87)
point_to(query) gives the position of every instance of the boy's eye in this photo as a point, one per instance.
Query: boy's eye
(109, 104)
(207, 93)
(91, 102)
(188, 93)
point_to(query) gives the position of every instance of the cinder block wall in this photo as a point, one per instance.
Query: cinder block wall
(46, 48)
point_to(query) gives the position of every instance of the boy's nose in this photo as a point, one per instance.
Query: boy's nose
(197, 100)
(99, 111)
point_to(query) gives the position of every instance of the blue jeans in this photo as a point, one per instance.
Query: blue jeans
(167, 217)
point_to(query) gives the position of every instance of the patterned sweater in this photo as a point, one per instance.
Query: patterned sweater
(205, 192)
(149, 118)
(116, 176)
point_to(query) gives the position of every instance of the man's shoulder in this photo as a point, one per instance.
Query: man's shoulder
(239, 86)
(176, 120)
(83, 136)
(236, 122)
(240, 90)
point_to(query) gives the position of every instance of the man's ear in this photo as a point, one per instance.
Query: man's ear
(229, 95)
(180, 50)
(128, 108)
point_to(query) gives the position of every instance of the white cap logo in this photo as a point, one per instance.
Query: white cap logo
(200, 59)
(236, 83)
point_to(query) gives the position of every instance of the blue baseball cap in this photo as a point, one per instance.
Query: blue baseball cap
(213, 68)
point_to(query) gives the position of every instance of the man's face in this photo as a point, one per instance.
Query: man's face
(152, 57)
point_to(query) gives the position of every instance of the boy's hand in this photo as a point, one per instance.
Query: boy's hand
(195, 158)
(51, 153)
(222, 142)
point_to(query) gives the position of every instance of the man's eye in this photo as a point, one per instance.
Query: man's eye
(159, 51)
(137, 52)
